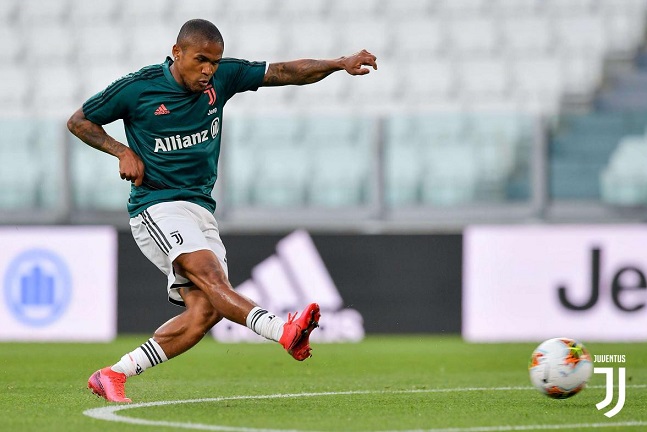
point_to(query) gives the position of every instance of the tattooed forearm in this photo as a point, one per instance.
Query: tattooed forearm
(93, 134)
(299, 72)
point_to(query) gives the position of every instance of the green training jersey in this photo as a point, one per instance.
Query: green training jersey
(175, 132)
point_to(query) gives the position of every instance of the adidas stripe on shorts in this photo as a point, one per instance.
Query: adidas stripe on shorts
(166, 230)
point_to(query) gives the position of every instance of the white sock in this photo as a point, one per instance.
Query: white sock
(135, 362)
(265, 324)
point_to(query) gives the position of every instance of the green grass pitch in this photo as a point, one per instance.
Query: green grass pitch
(386, 383)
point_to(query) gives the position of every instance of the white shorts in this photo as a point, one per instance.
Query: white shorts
(166, 230)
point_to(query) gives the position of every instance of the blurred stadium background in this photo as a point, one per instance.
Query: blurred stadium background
(481, 112)
(498, 110)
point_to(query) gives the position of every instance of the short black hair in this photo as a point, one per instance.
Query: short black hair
(198, 29)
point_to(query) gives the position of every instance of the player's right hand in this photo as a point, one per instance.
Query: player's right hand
(131, 167)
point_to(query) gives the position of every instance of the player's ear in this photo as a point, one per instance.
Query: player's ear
(176, 52)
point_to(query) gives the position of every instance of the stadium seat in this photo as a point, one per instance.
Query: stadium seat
(630, 7)
(308, 38)
(58, 92)
(332, 92)
(257, 41)
(281, 177)
(8, 12)
(570, 7)
(184, 10)
(102, 44)
(406, 10)
(538, 83)
(339, 175)
(483, 78)
(265, 131)
(337, 130)
(50, 43)
(298, 9)
(14, 44)
(461, 7)
(625, 33)
(582, 34)
(37, 12)
(239, 166)
(249, 10)
(265, 99)
(150, 44)
(86, 13)
(350, 10)
(97, 77)
(15, 86)
(438, 129)
(47, 146)
(341, 154)
(429, 80)
(403, 171)
(378, 89)
(370, 34)
(582, 75)
(496, 161)
(473, 35)
(623, 181)
(20, 180)
(516, 8)
(20, 175)
(527, 35)
(450, 175)
(145, 13)
(95, 180)
(420, 38)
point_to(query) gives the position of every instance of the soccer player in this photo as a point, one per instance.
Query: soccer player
(172, 114)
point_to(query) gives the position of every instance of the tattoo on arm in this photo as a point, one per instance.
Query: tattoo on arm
(94, 135)
(298, 72)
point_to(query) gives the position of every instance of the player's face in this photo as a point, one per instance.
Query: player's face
(196, 64)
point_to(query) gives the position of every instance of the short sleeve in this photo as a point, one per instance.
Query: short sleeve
(111, 104)
(239, 76)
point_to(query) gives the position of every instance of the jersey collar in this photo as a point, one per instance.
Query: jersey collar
(169, 76)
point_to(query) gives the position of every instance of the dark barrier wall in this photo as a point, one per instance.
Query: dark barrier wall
(399, 283)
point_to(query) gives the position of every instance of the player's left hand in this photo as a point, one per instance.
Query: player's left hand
(354, 64)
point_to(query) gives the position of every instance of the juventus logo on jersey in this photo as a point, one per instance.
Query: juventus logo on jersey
(211, 92)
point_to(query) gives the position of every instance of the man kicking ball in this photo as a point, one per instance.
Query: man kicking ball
(172, 114)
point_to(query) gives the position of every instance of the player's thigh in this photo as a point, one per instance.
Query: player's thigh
(210, 230)
(165, 231)
(171, 229)
(201, 267)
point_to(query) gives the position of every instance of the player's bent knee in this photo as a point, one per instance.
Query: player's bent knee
(209, 317)
(199, 308)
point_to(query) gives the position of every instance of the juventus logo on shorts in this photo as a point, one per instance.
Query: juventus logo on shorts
(178, 237)
(211, 92)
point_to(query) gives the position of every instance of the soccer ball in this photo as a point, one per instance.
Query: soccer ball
(560, 367)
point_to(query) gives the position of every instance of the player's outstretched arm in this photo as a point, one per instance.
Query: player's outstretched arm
(131, 167)
(307, 71)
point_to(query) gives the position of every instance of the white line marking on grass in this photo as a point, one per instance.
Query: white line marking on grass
(109, 413)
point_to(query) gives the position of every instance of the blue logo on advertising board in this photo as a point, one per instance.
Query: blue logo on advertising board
(37, 287)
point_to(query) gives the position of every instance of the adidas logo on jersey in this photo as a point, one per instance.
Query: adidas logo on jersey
(161, 110)
(286, 282)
